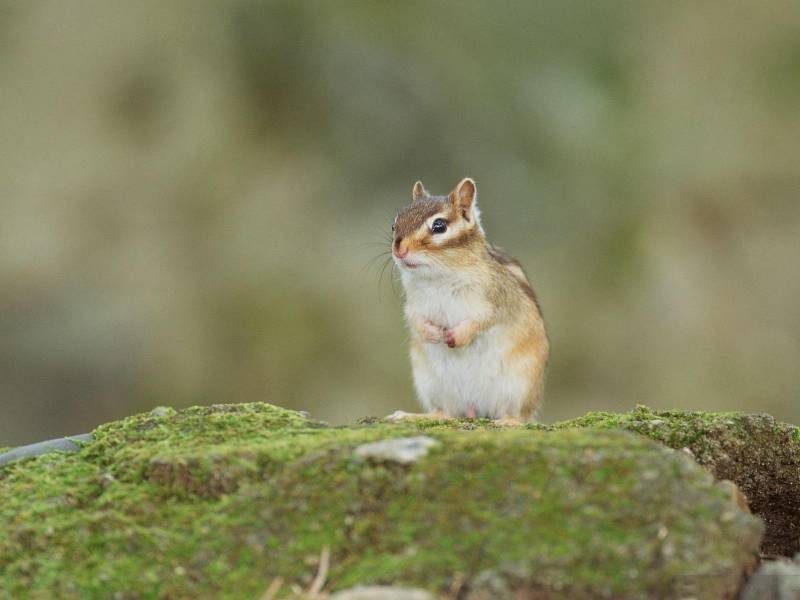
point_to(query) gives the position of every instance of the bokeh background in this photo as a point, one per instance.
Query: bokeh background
(191, 194)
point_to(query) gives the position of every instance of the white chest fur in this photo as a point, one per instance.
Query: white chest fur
(444, 301)
(472, 380)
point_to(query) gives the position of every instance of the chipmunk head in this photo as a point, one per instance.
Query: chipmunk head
(437, 232)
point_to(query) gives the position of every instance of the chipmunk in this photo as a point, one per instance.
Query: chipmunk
(478, 341)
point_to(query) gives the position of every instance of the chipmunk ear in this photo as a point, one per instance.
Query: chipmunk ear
(464, 195)
(419, 192)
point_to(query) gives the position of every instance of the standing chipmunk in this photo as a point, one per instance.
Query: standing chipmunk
(478, 342)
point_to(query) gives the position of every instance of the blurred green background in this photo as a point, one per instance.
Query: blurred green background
(191, 193)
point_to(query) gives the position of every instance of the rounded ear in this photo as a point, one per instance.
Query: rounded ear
(419, 192)
(464, 194)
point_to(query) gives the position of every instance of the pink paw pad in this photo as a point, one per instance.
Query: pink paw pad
(450, 338)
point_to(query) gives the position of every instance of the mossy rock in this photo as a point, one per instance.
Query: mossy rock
(221, 501)
(758, 453)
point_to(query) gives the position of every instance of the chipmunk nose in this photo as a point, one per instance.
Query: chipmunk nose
(399, 251)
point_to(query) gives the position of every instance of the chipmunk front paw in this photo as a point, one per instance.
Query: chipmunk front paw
(431, 332)
(460, 335)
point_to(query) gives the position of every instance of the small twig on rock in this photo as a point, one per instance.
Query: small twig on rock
(456, 587)
(273, 589)
(322, 573)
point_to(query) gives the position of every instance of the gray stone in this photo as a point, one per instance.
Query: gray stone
(65, 444)
(162, 411)
(774, 580)
(380, 592)
(404, 450)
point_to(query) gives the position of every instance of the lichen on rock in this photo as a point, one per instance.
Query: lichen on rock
(219, 501)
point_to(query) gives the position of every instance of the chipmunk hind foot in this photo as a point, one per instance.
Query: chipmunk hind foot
(399, 416)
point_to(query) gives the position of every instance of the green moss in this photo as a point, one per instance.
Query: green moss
(674, 428)
(218, 501)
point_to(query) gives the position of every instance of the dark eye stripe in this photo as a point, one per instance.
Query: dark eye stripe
(416, 215)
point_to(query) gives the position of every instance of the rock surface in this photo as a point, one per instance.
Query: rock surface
(219, 501)
(774, 580)
(382, 592)
(404, 450)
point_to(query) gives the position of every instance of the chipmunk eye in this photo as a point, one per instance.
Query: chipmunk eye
(439, 226)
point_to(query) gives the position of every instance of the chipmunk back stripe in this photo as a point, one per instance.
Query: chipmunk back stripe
(502, 257)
